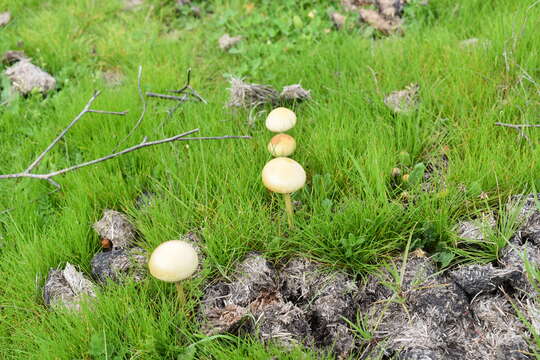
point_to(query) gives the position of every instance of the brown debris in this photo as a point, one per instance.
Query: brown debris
(10, 57)
(226, 41)
(67, 288)
(379, 22)
(228, 319)
(250, 95)
(116, 227)
(390, 8)
(5, 18)
(338, 20)
(25, 77)
(355, 5)
(294, 92)
(403, 101)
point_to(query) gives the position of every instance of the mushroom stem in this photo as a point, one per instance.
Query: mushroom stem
(180, 291)
(289, 209)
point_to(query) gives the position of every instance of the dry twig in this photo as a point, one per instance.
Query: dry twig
(519, 128)
(28, 172)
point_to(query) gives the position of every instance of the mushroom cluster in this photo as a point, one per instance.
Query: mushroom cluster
(282, 174)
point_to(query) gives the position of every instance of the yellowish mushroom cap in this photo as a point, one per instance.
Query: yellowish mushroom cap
(280, 119)
(282, 145)
(173, 261)
(283, 175)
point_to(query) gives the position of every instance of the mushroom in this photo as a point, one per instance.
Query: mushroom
(283, 175)
(281, 145)
(280, 119)
(174, 261)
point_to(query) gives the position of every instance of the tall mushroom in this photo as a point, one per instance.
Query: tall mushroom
(285, 176)
(174, 261)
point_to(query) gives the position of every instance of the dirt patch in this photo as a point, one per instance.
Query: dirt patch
(120, 264)
(292, 304)
(407, 310)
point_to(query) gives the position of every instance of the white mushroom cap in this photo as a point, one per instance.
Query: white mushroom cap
(173, 261)
(283, 175)
(282, 145)
(280, 119)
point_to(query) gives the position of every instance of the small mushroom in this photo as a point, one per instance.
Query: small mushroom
(282, 145)
(174, 261)
(280, 120)
(283, 175)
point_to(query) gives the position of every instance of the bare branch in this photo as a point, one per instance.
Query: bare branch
(192, 91)
(143, 113)
(167, 97)
(55, 141)
(143, 144)
(185, 86)
(108, 112)
(180, 137)
(517, 126)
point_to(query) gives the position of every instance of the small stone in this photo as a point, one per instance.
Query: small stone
(12, 56)
(26, 77)
(482, 279)
(113, 77)
(477, 229)
(67, 288)
(120, 264)
(116, 227)
(474, 43)
(132, 4)
(196, 11)
(379, 22)
(403, 101)
(338, 20)
(390, 8)
(5, 18)
(226, 41)
(513, 257)
(295, 92)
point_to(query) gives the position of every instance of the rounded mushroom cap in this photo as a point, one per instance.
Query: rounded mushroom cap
(283, 175)
(173, 261)
(280, 119)
(282, 145)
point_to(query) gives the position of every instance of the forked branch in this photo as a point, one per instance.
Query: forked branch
(28, 173)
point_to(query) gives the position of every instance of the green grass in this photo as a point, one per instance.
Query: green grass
(348, 142)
